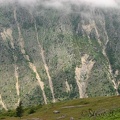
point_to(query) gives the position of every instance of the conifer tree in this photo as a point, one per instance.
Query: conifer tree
(19, 110)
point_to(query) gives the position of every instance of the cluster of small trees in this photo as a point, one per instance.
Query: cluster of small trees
(13, 113)
(19, 110)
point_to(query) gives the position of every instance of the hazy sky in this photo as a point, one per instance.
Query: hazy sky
(60, 3)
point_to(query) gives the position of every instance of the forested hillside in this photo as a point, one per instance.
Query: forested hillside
(48, 55)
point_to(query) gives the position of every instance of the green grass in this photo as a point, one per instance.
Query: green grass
(99, 108)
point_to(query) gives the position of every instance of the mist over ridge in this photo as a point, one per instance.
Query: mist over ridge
(64, 3)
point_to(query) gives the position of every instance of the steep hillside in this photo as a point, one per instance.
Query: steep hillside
(49, 55)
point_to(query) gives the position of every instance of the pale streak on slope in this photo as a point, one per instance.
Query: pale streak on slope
(116, 74)
(8, 34)
(67, 86)
(82, 74)
(97, 33)
(118, 83)
(104, 53)
(15, 67)
(17, 83)
(45, 64)
(2, 103)
(31, 65)
(41, 84)
(88, 29)
(110, 68)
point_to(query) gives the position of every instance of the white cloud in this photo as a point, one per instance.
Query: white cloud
(60, 3)
(102, 3)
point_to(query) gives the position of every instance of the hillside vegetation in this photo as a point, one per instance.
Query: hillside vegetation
(49, 55)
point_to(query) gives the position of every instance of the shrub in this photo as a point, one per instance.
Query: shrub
(31, 111)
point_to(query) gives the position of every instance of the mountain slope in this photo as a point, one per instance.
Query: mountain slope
(48, 55)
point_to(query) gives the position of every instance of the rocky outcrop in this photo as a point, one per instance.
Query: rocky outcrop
(82, 74)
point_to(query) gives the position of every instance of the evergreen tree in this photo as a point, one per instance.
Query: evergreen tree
(19, 110)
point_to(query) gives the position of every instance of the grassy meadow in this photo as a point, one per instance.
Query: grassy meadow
(99, 108)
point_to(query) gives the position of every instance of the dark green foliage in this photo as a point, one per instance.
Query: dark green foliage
(9, 113)
(31, 111)
(19, 110)
(119, 89)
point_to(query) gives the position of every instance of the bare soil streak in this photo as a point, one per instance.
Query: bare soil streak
(88, 29)
(45, 64)
(2, 103)
(109, 65)
(31, 65)
(82, 75)
(8, 34)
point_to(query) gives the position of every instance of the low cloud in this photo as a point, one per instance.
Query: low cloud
(64, 3)
(101, 3)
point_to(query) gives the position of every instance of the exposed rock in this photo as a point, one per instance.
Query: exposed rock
(56, 112)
